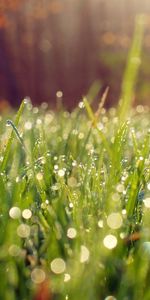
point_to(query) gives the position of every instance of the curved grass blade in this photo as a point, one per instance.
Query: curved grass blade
(8, 146)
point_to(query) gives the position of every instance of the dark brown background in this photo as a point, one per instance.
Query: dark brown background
(52, 45)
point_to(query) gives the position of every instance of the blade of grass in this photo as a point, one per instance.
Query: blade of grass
(131, 72)
(10, 140)
(93, 91)
(92, 117)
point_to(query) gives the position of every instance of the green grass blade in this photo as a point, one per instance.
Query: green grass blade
(10, 140)
(131, 72)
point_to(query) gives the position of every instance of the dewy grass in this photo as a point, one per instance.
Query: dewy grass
(74, 209)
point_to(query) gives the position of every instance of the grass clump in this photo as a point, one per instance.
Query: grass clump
(75, 202)
(75, 206)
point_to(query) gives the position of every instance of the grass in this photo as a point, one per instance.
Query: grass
(75, 200)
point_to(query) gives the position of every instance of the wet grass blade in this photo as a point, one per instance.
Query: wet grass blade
(10, 140)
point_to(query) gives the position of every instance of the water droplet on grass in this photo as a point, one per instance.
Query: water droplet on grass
(120, 188)
(81, 135)
(61, 173)
(116, 197)
(56, 167)
(35, 110)
(55, 187)
(74, 163)
(124, 212)
(48, 118)
(17, 179)
(110, 298)
(123, 235)
(28, 125)
(84, 255)
(100, 223)
(23, 230)
(72, 182)
(147, 202)
(15, 212)
(58, 266)
(148, 186)
(44, 105)
(67, 277)
(81, 105)
(38, 275)
(71, 233)
(38, 121)
(110, 241)
(59, 94)
(14, 250)
(39, 176)
(114, 220)
(140, 109)
(26, 214)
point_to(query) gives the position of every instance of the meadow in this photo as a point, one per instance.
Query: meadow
(75, 198)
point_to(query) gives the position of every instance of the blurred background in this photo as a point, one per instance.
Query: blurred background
(48, 46)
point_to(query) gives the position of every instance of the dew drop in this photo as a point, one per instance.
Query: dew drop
(38, 275)
(55, 187)
(100, 223)
(81, 135)
(61, 173)
(67, 277)
(48, 118)
(71, 233)
(38, 121)
(23, 230)
(120, 188)
(140, 109)
(35, 110)
(116, 197)
(148, 186)
(110, 241)
(124, 212)
(74, 163)
(17, 179)
(27, 214)
(84, 255)
(59, 94)
(72, 182)
(28, 125)
(15, 212)
(14, 250)
(58, 266)
(81, 104)
(122, 235)
(110, 298)
(114, 221)
(147, 202)
(56, 167)
(39, 176)
(146, 247)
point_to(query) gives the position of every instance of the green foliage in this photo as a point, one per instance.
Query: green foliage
(87, 187)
